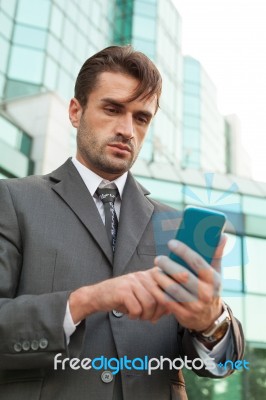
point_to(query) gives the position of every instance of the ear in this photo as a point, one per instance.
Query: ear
(75, 112)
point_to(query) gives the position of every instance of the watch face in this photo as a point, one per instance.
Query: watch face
(221, 331)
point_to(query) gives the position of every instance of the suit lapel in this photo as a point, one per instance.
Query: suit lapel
(135, 213)
(71, 188)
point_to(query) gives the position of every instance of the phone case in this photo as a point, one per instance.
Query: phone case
(201, 230)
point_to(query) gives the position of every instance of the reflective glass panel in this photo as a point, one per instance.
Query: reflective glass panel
(144, 8)
(8, 133)
(191, 138)
(32, 12)
(31, 37)
(192, 104)
(4, 46)
(232, 264)
(26, 64)
(191, 70)
(144, 27)
(255, 225)
(163, 190)
(255, 271)
(9, 6)
(254, 205)
(56, 21)
(50, 76)
(5, 26)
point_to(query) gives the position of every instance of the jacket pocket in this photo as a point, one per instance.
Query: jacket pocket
(23, 384)
(148, 250)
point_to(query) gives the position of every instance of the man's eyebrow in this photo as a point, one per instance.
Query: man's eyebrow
(120, 104)
(109, 100)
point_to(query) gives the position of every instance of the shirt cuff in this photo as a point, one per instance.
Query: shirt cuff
(220, 352)
(68, 325)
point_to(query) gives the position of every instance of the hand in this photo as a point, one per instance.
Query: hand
(136, 294)
(198, 302)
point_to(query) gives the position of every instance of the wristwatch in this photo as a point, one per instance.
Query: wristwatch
(217, 330)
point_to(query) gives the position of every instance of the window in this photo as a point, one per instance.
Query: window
(30, 37)
(232, 264)
(8, 133)
(35, 13)
(56, 22)
(192, 105)
(254, 205)
(144, 8)
(5, 25)
(4, 46)
(191, 70)
(255, 271)
(144, 27)
(26, 64)
(163, 190)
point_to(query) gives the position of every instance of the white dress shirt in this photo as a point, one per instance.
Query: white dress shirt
(93, 181)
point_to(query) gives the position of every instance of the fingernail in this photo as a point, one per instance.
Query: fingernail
(157, 259)
(173, 243)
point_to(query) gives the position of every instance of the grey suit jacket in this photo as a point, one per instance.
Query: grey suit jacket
(52, 241)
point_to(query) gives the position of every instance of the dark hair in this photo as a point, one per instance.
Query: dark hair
(122, 59)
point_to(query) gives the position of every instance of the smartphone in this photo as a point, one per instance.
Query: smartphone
(201, 230)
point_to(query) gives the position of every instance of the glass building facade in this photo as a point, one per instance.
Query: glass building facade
(39, 50)
(14, 145)
(39, 54)
(204, 128)
(154, 27)
(42, 46)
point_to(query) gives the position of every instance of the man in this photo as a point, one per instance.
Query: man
(72, 287)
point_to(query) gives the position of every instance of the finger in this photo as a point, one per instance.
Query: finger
(176, 291)
(178, 273)
(197, 263)
(146, 299)
(190, 257)
(132, 305)
(217, 258)
(147, 280)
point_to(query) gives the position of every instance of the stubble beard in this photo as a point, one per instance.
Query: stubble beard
(95, 155)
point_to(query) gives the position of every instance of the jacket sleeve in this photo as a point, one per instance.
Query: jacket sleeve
(31, 326)
(237, 348)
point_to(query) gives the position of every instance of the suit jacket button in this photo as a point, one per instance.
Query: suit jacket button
(26, 345)
(117, 314)
(107, 376)
(34, 345)
(43, 343)
(17, 347)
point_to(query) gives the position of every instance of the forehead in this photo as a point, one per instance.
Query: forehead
(121, 87)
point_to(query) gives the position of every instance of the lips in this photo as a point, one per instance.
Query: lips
(121, 147)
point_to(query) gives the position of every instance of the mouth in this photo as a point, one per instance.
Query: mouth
(121, 148)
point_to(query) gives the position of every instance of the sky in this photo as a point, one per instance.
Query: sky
(228, 37)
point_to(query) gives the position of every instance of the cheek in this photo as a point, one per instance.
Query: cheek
(140, 137)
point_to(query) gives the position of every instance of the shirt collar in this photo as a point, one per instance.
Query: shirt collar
(92, 180)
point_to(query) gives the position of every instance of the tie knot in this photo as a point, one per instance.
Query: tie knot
(107, 195)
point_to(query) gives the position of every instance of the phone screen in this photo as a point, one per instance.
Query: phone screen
(201, 230)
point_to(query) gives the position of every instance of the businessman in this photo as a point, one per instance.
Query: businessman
(79, 276)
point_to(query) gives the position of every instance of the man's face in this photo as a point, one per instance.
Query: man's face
(111, 131)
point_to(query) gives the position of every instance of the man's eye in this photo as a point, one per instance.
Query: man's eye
(111, 110)
(142, 119)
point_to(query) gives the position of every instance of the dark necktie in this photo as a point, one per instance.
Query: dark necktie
(108, 196)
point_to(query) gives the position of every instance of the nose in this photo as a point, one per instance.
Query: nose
(125, 126)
